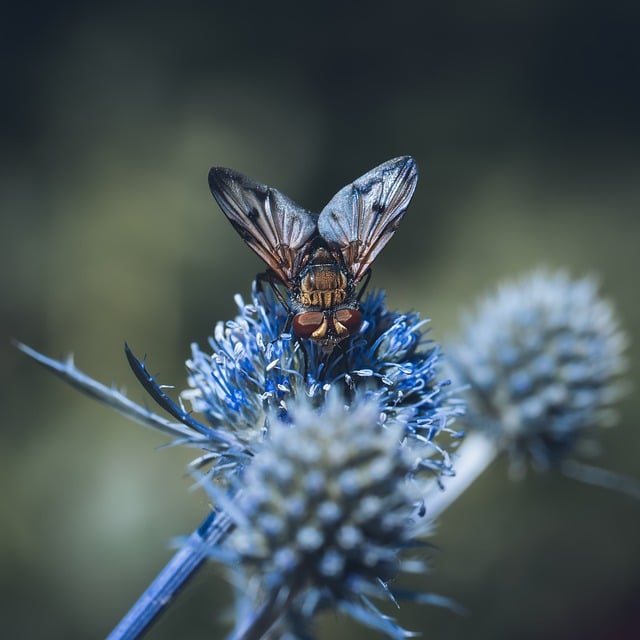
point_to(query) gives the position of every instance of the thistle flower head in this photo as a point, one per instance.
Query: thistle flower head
(253, 371)
(314, 462)
(325, 508)
(541, 357)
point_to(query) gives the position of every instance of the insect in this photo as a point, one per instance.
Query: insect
(319, 258)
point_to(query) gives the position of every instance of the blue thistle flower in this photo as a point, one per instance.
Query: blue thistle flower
(253, 370)
(541, 359)
(323, 514)
(255, 378)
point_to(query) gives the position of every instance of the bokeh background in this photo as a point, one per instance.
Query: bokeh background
(523, 117)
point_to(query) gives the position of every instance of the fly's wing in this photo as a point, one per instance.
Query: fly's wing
(361, 218)
(274, 226)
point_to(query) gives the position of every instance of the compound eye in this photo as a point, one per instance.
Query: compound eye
(351, 319)
(304, 324)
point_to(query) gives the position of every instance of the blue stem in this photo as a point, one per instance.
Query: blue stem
(180, 569)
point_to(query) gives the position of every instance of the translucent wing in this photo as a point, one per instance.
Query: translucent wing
(361, 218)
(274, 226)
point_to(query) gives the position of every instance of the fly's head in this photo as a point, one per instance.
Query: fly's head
(327, 328)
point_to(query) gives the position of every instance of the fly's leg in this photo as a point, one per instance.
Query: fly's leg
(299, 341)
(272, 280)
(305, 355)
(288, 322)
(268, 277)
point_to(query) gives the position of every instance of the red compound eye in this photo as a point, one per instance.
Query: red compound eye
(304, 324)
(351, 319)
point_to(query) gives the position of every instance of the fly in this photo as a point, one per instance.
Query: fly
(321, 259)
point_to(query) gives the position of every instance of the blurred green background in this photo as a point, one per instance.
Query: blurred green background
(524, 120)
